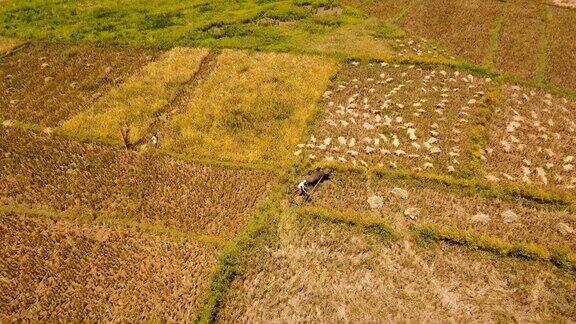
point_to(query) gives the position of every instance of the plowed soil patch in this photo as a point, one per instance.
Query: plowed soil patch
(405, 203)
(49, 83)
(44, 171)
(60, 271)
(318, 272)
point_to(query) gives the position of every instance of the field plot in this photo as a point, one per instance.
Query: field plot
(49, 83)
(140, 99)
(518, 46)
(385, 9)
(404, 203)
(532, 139)
(319, 272)
(464, 26)
(562, 43)
(397, 116)
(50, 172)
(62, 271)
(7, 44)
(252, 108)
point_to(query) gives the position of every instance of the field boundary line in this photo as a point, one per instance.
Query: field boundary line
(111, 222)
(479, 132)
(543, 47)
(473, 185)
(371, 224)
(560, 257)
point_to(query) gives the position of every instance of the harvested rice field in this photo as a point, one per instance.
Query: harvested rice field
(46, 83)
(251, 108)
(397, 116)
(312, 271)
(562, 47)
(405, 203)
(46, 171)
(463, 26)
(531, 139)
(55, 270)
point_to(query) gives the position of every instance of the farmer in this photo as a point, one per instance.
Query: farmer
(154, 139)
(302, 189)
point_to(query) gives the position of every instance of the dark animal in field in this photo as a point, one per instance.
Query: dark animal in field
(317, 177)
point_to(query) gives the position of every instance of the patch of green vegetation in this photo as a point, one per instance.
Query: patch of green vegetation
(543, 50)
(478, 132)
(495, 34)
(370, 224)
(256, 24)
(529, 251)
(387, 30)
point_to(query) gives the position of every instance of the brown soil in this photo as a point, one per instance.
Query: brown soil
(44, 171)
(48, 83)
(531, 139)
(59, 271)
(317, 272)
(446, 209)
(373, 108)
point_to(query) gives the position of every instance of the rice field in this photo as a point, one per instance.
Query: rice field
(54, 270)
(314, 271)
(134, 104)
(44, 171)
(405, 204)
(47, 83)
(251, 108)
(397, 116)
(562, 47)
(530, 139)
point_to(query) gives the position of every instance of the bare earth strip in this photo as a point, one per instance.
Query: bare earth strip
(403, 204)
(319, 272)
(62, 271)
(49, 83)
(48, 171)
(134, 103)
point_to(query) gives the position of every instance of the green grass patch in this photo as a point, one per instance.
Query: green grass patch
(478, 132)
(370, 224)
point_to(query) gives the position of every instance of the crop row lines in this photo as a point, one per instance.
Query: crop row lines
(560, 257)
(109, 221)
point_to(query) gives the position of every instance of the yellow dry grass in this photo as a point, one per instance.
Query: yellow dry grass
(7, 44)
(253, 107)
(135, 102)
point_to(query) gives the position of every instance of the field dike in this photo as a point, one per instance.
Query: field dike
(562, 258)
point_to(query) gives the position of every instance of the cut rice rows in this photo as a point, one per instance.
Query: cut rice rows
(313, 271)
(49, 83)
(404, 203)
(49, 172)
(55, 270)
(532, 139)
(397, 116)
